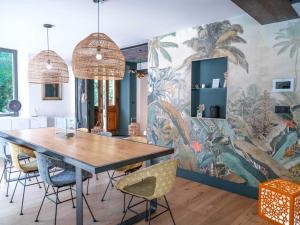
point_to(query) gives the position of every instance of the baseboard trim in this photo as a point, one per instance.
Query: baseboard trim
(241, 189)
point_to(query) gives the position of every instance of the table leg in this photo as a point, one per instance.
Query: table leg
(79, 206)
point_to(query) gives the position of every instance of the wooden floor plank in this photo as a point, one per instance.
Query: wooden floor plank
(192, 204)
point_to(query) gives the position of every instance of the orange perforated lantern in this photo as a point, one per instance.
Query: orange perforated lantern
(279, 202)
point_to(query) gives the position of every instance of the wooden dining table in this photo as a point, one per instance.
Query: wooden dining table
(88, 152)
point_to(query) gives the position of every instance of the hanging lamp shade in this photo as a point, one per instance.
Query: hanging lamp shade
(48, 67)
(97, 57)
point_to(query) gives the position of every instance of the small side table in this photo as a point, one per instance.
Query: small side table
(279, 202)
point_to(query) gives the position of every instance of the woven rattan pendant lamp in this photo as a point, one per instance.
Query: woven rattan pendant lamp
(97, 57)
(47, 67)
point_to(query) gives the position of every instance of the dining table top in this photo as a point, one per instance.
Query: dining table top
(92, 152)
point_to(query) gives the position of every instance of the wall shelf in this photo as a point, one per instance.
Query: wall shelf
(203, 72)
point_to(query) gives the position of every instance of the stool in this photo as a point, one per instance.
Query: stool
(279, 202)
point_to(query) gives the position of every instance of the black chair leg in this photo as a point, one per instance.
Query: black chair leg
(146, 213)
(110, 183)
(94, 219)
(169, 210)
(56, 204)
(37, 180)
(4, 170)
(124, 202)
(17, 181)
(126, 210)
(24, 188)
(111, 178)
(87, 187)
(72, 197)
(149, 212)
(8, 181)
(37, 216)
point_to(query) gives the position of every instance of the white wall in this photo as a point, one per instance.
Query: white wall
(52, 108)
(141, 102)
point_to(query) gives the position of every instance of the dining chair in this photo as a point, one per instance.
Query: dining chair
(62, 181)
(122, 171)
(150, 183)
(28, 168)
(7, 166)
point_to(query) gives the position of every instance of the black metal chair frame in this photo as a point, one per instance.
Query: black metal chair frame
(112, 179)
(149, 211)
(57, 201)
(7, 171)
(28, 176)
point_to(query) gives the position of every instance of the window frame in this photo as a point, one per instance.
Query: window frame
(14, 77)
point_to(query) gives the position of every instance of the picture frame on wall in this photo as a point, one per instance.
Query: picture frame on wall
(215, 83)
(52, 91)
(283, 85)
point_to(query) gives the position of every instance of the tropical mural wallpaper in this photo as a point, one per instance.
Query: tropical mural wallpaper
(253, 144)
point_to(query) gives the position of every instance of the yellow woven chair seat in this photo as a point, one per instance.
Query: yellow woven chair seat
(17, 150)
(144, 188)
(29, 167)
(151, 182)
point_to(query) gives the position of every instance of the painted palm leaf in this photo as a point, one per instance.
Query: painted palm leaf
(176, 118)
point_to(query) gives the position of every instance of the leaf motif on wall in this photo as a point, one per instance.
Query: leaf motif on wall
(176, 118)
(158, 45)
(259, 155)
(289, 37)
(217, 42)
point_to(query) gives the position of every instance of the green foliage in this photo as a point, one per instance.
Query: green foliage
(6, 87)
(289, 40)
(158, 45)
(215, 40)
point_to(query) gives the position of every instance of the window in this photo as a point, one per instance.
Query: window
(111, 93)
(8, 79)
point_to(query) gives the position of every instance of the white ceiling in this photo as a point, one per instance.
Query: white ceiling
(127, 22)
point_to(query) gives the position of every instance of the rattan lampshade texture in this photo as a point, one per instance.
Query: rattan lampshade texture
(38, 72)
(87, 66)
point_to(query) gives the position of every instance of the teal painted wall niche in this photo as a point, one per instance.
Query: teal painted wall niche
(203, 72)
(253, 144)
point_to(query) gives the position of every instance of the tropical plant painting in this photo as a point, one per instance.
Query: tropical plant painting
(253, 144)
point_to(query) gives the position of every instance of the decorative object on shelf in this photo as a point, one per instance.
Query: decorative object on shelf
(35, 112)
(209, 74)
(215, 83)
(97, 57)
(283, 85)
(52, 91)
(139, 72)
(47, 66)
(197, 86)
(65, 127)
(225, 79)
(200, 110)
(133, 128)
(14, 106)
(145, 133)
(214, 111)
(97, 128)
(279, 202)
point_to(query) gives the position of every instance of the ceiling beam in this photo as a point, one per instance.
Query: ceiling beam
(268, 11)
(136, 53)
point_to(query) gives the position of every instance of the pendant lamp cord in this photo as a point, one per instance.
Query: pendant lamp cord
(48, 41)
(98, 21)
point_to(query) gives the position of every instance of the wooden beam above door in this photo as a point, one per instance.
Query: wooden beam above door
(268, 11)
